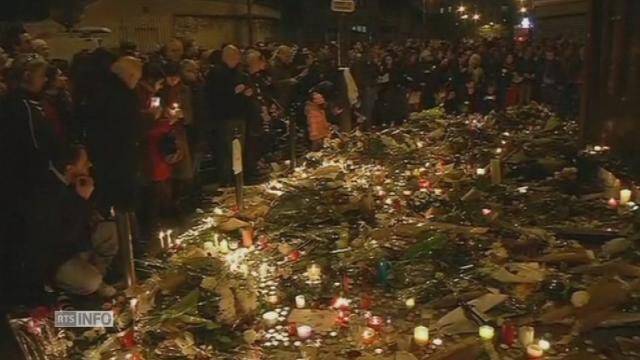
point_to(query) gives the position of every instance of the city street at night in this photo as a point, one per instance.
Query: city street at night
(320, 179)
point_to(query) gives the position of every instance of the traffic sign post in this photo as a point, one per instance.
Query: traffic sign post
(342, 7)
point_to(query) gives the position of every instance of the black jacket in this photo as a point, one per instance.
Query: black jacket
(224, 103)
(59, 226)
(115, 135)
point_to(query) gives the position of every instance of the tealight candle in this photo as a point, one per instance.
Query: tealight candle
(437, 342)
(625, 196)
(486, 332)
(534, 351)
(304, 331)
(270, 318)
(526, 335)
(410, 303)
(368, 334)
(481, 171)
(421, 335)
(544, 344)
(300, 301)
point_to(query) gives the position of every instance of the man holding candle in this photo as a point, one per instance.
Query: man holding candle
(70, 246)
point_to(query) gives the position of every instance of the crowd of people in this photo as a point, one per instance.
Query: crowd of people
(115, 138)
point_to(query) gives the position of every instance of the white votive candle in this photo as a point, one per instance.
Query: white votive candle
(304, 331)
(421, 335)
(625, 196)
(301, 301)
(270, 318)
(486, 332)
(410, 303)
(526, 335)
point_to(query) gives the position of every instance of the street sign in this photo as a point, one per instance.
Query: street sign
(343, 6)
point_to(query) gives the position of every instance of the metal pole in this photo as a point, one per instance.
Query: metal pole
(340, 39)
(123, 224)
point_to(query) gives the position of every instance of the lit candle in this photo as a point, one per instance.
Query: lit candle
(544, 344)
(481, 171)
(161, 236)
(314, 273)
(304, 331)
(247, 237)
(300, 301)
(625, 196)
(270, 318)
(534, 351)
(526, 335)
(368, 334)
(486, 332)
(410, 303)
(421, 335)
(612, 203)
(437, 342)
(169, 242)
(133, 304)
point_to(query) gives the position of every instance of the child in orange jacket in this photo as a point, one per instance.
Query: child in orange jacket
(319, 128)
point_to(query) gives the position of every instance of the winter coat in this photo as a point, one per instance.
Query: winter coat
(181, 94)
(57, 110)
(157, 167)
(319, 128)
(58, 228)
(115, 137)
(224, 103)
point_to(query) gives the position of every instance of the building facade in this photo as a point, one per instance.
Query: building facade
(150, 23)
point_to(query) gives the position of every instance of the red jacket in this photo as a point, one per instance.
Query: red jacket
(157, 167)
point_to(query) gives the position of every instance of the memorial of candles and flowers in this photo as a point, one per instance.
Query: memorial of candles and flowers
(449, 238)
